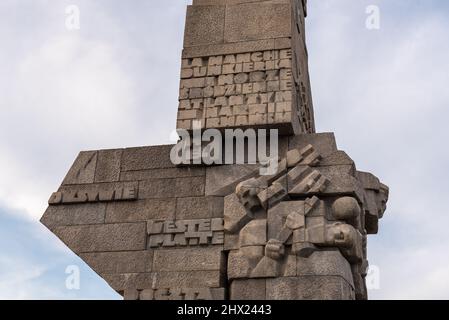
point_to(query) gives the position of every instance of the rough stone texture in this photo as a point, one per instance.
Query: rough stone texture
(104, 237)
(246, 22)
(171, 188)
(252, 289)
(161, 280)
(199, 208)
(205, 25)
(309, 288)
(222, 180)
(108, 166)
(144, 158)
(141, 210)
(198, 259)
(83, 170)
(245, 66)
(167, 173)
(79, 214)
(324, 143)
(119, 262)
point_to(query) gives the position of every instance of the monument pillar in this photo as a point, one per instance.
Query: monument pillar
(155, 230)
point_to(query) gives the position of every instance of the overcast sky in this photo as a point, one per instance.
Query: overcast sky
(113, 83)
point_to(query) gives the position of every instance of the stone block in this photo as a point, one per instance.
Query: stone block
(323, 143)
(104, 238)
(231, 241)
(222, 180)
(368, 180)
(267, 268)
(342, 183)
(145, 158)
(309, 288)
(278, 215)
(188, 279)
(204, 25)
(228, 48)
(79, 214)
(182, 172)
(83, 169)
(164, 280)
(199, 207)
(141, 210)
(248, 289)
(246, 22)
(325, 263)
(337, 158)
(254, 234)
(195, 259)
(119, 262)
(171, 188)
(240, 265)
(108, 166)
(235, 215)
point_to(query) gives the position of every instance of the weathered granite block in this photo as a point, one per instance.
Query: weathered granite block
(83, 170)
(199, 207)
(108, 166)
(119, 262)
(309, 288)
(78, 214)
(141, 210)
(104, 237)
(252, 289)
(204, 25)
(171, 188)
(144, 158)
(256, 21)
(195, 259)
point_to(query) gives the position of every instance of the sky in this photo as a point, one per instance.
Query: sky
(114, 83)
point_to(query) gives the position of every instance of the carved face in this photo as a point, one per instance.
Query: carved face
(382, 199)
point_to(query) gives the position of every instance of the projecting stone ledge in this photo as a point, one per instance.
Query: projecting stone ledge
(221, 232)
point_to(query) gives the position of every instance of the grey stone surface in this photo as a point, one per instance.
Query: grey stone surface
(108, 166)
(69, 215)
(141, 210)
(164, 280)
(309, 288)
(144, 158)
(204, 25)
(246, 22)
(199, 207)
(103, 237)
(251, 289)
(222, 180)
(119, 262)
(171, 188)
(325, 263)
(235, 215)
(167, 173)
(83, 169)
(197, 259)
(324, 143)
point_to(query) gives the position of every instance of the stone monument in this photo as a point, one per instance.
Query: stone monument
(159, 231)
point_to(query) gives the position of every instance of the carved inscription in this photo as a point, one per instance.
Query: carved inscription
(83, 196)
(237, 90)
(185, 233)
(176, 294)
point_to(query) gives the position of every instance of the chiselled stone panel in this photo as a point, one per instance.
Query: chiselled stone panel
(238, 90)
